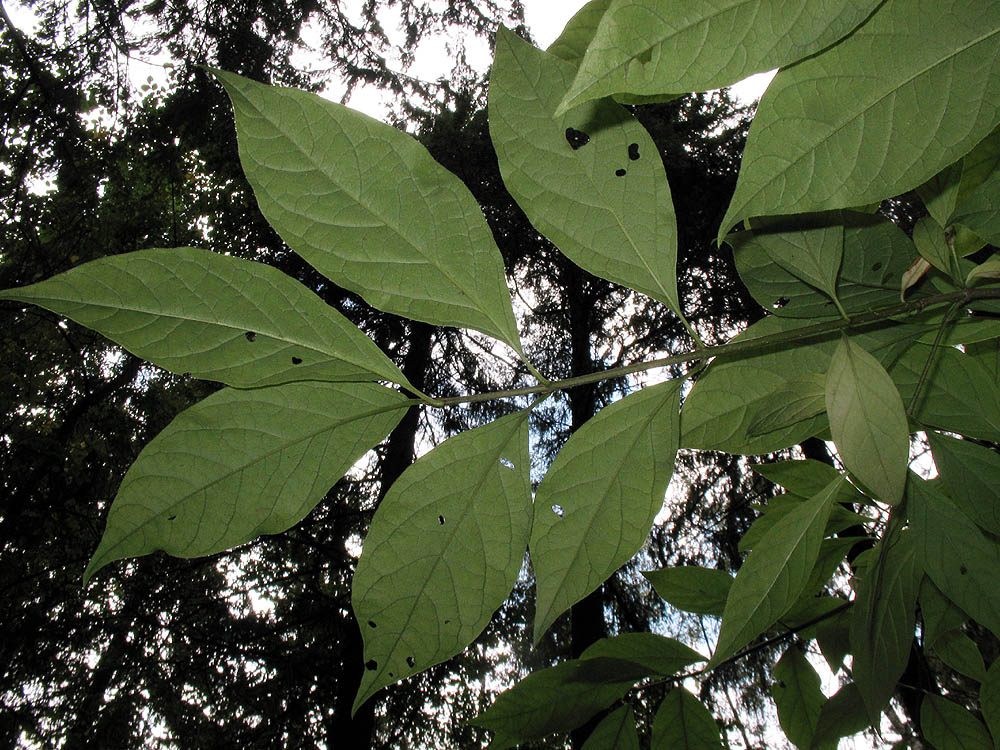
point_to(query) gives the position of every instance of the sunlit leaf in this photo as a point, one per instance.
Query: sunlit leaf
(692, 589)
(596, 504)
(827, 131)
(651, 47)
(216, 317)
(443, 551)
(883, 620)
(576, 36)
(240, 464)
(867, 420)
(949, 726)
(796, 401)
(370, 209)
(806, 477)
(602, 199)
(797, 696)
(682, 722)
(775, 573)
(813, 254)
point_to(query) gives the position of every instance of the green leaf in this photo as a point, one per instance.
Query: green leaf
(774, 574)
(834, 638)
(557, 699)
(576, 36)
(959, 395)
(949, 726)
(594, 508)
(683, 723)
(929, 237)
(216, 317)
(958, 558)
(650, 47)
(868, 421)
(813, 255)
(831, 554)
(240, 464)
(989, 700)
(606, 203)
(797, 696)
(692, 589)
(937, 613)
(988, 269)
(961, 653)
(971, 474)
(883, 620)
(977, 206)
(615, 732)
(875, 254)
(826, 131)
(841, 716)
(389, 222)
(780, 505)
(443, 551)
(806, 477)
(796, 401)
(654, 654)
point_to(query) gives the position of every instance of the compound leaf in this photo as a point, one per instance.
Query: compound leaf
(603, 199)
(649, 47)
(243, 463)
(370, 209)
(826, 133)
(594, 508)
(775, 573)
(868, 421)
(216, 317)
(443, 551)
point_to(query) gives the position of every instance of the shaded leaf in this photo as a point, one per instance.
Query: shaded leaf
(655, 654)
(648, 47)
(367, 222)
(806, 477)
(214, 316)
(883, 620)
(813, 255)
(550, 700)
(989, 699)
(799, 399)
(825, 133)
(961, 653)
(608, 481)
(443, 552)
(692, 589)
(797, 696)
(834, 638)
(682, 721)
(243, 463)
(938, 614)
(868, 421)
(616, 731)
(976, 205)
(971, 476)
(929, 237)
(949, 726)
(841, 716)
(988, 269)
(955, 554)
(605, 204)
(774, 574)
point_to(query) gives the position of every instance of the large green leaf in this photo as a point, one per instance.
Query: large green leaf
(655, 654)
(369, 208)
(932, 244)
(883, 620)
(216, 317)
(813, 255)
(604, 202)
(989, 699)
(841, 716)
(572, 43)
(683, 723)
(959, 559)
(949, 726)
(875, 254)
(796, 401)
(692, 589)
(594, 508)
(775, 573)
(868, 421)
(827, 133)
(443, 551)
(616, 731)
(938, 614)
(971, 474)
(959, 394)
(650, 47)
(557, 699)
(243, 463)
(961, 653)
(806, 477)
(798, 697)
